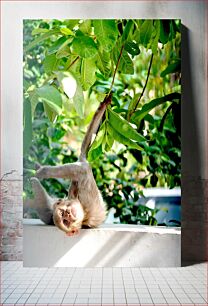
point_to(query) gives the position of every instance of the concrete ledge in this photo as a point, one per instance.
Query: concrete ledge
(111, 245)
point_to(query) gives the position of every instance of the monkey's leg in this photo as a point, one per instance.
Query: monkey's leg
(73, 171)
(43, 203)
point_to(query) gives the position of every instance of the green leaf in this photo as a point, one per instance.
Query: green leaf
(39, 31)
(132, 48)
(51, 96)
(78, 100)
(57, 44)
(71, 23)
(49, 112)
(146, 32)
(64, 48)
(94, 153)
(33, 96)
(63, 52)
(99, 137)
(85, 26)
(84, 46)
(88, 69)
(50, 63)
(149, 119)
(109, 142)
(103, 60)
(68, 83)
(106, 33)
(154, 43)
(122, 139)
(127, 30)
(133, 104)
(172, 30)
(27, 133)
(167, 159)
(66, 31)
(140, 114)
(126, 65)
(41, 38)
(123, 126)
(172, 68)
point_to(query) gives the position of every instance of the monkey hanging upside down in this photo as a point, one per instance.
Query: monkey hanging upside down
(84, 206)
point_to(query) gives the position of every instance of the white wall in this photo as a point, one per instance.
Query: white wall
(108, 246)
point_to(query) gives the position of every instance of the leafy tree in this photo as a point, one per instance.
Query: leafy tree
(69, 67)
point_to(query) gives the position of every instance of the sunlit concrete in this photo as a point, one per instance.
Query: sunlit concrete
(111, 245)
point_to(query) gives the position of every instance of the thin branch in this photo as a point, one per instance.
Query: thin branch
(143, 90)
(73, 62)
(94, 126)
(164, 116)
(117, 64)
(95, 122)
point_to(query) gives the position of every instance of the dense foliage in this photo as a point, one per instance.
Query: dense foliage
(69, 67)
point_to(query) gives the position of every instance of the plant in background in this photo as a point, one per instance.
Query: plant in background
(69, 67)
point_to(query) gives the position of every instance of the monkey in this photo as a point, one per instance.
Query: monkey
(84, 206)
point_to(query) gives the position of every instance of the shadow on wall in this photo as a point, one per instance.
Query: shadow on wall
(112, 252)
(81, 248)
(194, 207)
(108, 246)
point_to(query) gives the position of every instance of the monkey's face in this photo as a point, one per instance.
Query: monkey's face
(68, 216)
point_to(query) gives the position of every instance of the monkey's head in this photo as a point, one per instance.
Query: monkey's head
(68, 215)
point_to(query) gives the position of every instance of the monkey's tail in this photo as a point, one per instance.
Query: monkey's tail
(93, 127)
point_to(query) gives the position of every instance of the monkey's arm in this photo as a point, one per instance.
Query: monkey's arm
(43, 203)
(73, 171)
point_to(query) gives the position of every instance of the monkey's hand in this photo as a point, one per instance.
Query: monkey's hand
(41, 173)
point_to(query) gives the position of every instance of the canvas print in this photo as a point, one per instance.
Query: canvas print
(102, 121)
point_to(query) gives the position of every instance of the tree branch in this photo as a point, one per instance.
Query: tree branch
(143, 90)
(73, 62)
(117, 64)
(94, 125)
